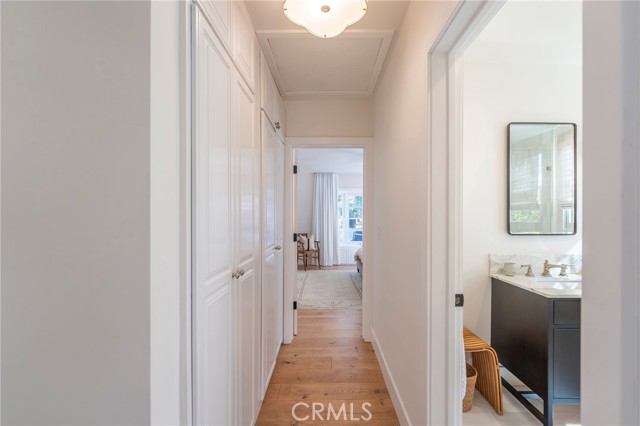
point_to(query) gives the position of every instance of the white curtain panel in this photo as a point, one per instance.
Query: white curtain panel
(325, 217)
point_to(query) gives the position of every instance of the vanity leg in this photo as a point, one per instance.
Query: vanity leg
(548, 412)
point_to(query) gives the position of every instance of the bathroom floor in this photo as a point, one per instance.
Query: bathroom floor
(483, 414)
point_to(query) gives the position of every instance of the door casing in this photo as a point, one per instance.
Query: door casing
(444, 209)
(290, 263)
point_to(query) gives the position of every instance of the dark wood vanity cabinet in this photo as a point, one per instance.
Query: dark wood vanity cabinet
(538, 340)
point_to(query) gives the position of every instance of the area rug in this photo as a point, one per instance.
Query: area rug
(329, 290)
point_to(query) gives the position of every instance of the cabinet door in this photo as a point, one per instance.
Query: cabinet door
(213, 222)
(245, 45)
(269, 92)
(245, 146)
(566, 363)
(220, 14)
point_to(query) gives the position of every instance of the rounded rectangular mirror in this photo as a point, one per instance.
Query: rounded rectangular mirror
(542, 178)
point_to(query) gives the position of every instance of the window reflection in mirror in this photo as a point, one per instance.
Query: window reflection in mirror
(542, 178)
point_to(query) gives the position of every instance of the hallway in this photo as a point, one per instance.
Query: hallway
(328, 362)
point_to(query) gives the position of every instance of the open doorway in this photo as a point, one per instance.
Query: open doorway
(523, 83)
(357, 175)
(516, 71)
(329, 225)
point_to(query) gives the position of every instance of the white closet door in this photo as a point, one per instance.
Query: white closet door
(279, 286)
(269, 166)
(248, 290)
(273, 286)
(212, 232)
(269, 313)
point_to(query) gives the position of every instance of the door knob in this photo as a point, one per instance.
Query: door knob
(277, 124)
(277, 248)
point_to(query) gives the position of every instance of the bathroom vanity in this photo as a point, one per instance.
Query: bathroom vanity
(535, 329)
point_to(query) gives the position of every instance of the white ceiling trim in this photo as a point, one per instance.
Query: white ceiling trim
(385, 36)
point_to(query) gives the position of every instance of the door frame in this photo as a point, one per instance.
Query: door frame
(444, 225)
(290, 263)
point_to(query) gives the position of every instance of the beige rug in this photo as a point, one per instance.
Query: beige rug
(329, 290)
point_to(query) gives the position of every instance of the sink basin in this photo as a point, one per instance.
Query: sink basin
(561, 285)
(554, 292)
(569, 278)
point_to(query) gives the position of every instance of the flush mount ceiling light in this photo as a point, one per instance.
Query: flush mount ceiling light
(325, 18)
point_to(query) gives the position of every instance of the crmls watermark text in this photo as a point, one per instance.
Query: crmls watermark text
(303, 411)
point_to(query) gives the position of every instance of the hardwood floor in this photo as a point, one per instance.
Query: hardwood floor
(327, 363)
(329, 268)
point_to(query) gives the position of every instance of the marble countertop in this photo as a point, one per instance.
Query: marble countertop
(547, 287)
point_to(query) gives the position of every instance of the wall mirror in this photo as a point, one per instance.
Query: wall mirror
(542, 178)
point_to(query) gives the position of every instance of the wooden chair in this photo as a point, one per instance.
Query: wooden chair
(312, 254)
(301, 250)
(306, 253)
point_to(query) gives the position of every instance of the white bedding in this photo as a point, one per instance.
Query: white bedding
(358, 255)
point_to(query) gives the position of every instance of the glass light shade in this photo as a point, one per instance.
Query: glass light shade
(325, 18)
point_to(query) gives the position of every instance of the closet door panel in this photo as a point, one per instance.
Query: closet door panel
(269, 165)
(246, 148)
(248, 347)
(279, 189)
(279, 283)
(271, 342)
(213, 222)
(269, 92)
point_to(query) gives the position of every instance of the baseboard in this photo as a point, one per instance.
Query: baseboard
(401, 412)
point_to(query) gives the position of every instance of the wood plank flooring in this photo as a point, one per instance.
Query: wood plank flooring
(327, 363)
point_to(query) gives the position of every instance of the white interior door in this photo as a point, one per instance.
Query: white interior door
(279, 296)
(248, 285)
(212, 232)
(272, 283)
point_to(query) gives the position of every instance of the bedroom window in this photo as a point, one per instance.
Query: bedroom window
(350, 208)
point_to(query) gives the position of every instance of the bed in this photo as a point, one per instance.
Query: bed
(358, 258)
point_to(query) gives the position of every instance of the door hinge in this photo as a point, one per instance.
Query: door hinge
(459, 300)
(295, 170)
(295, 305)
(295, 237)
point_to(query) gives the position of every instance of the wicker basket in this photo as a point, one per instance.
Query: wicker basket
(472, 375)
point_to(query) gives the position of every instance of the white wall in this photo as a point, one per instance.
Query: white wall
(170, 229)
(400, 110)
(509, 78)
(610, 297)
(304, 202)
(75, 213)
(329, 117)
(349, 181)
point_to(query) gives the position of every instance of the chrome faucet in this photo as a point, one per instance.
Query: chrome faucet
(547, 266)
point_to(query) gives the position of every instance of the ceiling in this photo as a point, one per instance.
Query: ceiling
(305, 65)
(346, 161)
